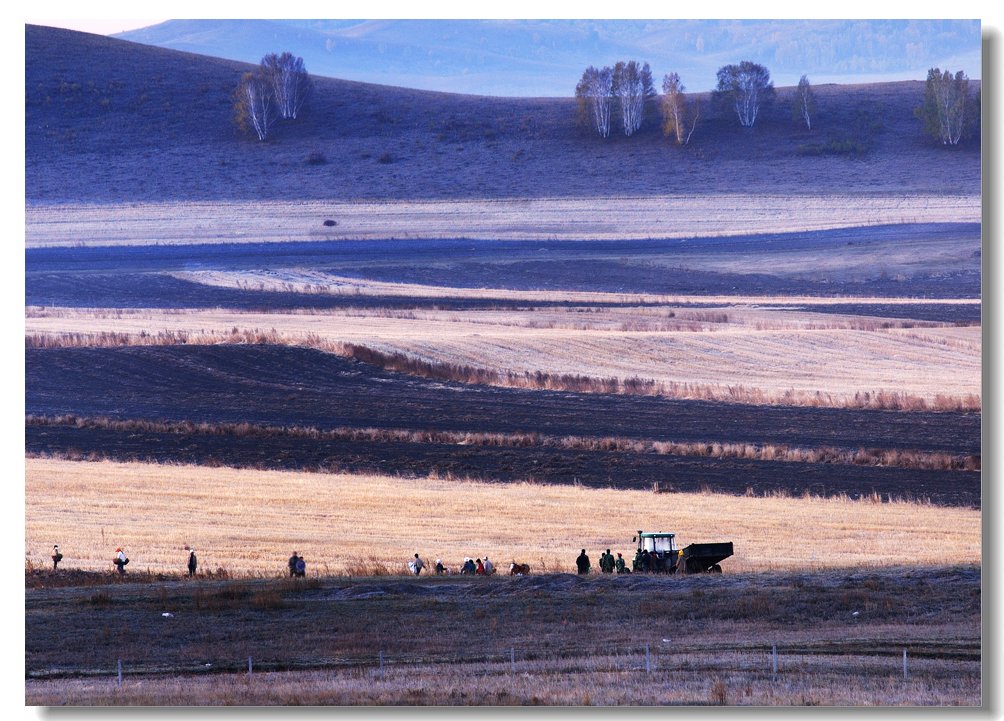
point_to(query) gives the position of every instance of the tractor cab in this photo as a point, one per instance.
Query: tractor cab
(664, 557)
(661, 556)
(656, 542)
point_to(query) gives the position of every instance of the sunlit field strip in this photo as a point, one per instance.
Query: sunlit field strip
(597, 218)
(840, 356)
(250, 521)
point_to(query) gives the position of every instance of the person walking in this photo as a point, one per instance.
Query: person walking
(417, 565)
(120, 560)
(193, 563)
(292, 564)
(582, 562)
(56, 556)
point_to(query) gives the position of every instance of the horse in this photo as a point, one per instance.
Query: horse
(519, 569)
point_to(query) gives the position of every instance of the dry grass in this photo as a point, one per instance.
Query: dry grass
(673, 216)
(250, 521)
(704, 679)
(733, 354)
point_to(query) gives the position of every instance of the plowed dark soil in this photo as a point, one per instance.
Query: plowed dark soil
(280, 386)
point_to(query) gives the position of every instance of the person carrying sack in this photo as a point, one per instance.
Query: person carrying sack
(120, 560)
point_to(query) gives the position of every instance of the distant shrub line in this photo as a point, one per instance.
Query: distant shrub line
(912, 459)
(535, 380)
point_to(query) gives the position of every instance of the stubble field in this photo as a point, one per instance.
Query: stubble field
(841, 608)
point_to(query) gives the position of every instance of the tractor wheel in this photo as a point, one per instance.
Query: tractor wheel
(715, 569)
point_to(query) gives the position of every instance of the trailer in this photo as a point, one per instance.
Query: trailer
(657, 553)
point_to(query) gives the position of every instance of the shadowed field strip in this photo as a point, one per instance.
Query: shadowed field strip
(723, 354)
(250, 521)
(596, 218)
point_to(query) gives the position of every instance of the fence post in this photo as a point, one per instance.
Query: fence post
(774, 656)
(381, 665)
(249, 666)
(648, 660)
(905, 676)
(512, 659)
(120, 672)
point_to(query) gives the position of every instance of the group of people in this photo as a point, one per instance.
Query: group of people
(470, 567)
(297, 566)
(120, 560)
(477, 567)
(643, 562)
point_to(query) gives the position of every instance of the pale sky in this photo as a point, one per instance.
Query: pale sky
(96, 26)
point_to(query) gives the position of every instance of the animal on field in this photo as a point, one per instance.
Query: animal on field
(519, 569)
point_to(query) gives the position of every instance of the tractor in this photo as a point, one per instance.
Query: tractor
(664, 557)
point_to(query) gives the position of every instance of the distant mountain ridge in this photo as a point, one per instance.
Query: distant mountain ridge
(545, 58)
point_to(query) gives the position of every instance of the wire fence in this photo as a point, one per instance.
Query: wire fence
(771, 662)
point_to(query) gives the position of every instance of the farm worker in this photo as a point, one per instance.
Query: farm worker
(646, 561)
(193, 562)
(636, 563)
(468, 569)
(292, 564)
(56, 556)
(417, 565)
(301, 567)
(120, 560)
(489, 567)
(607, 562)
(582, 562)
(480, 570)
(620, 565)
(440, 568)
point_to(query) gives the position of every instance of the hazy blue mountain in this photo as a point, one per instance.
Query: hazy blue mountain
(547, 57)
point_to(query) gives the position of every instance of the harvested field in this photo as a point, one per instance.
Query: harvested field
(723, 354)
(618, 218)
(241, 522)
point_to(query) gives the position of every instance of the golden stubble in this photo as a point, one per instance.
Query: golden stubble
(249, 522)
(758, 350)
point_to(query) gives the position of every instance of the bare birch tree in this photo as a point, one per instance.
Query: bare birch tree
(746, 87)
(679, 116)
(949, 112)
(629, 89)
(291, 85)
(803, 104)
(254, 106)
(595, 95)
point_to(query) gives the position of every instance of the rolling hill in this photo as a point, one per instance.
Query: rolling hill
(545, 57)
(108, 120)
